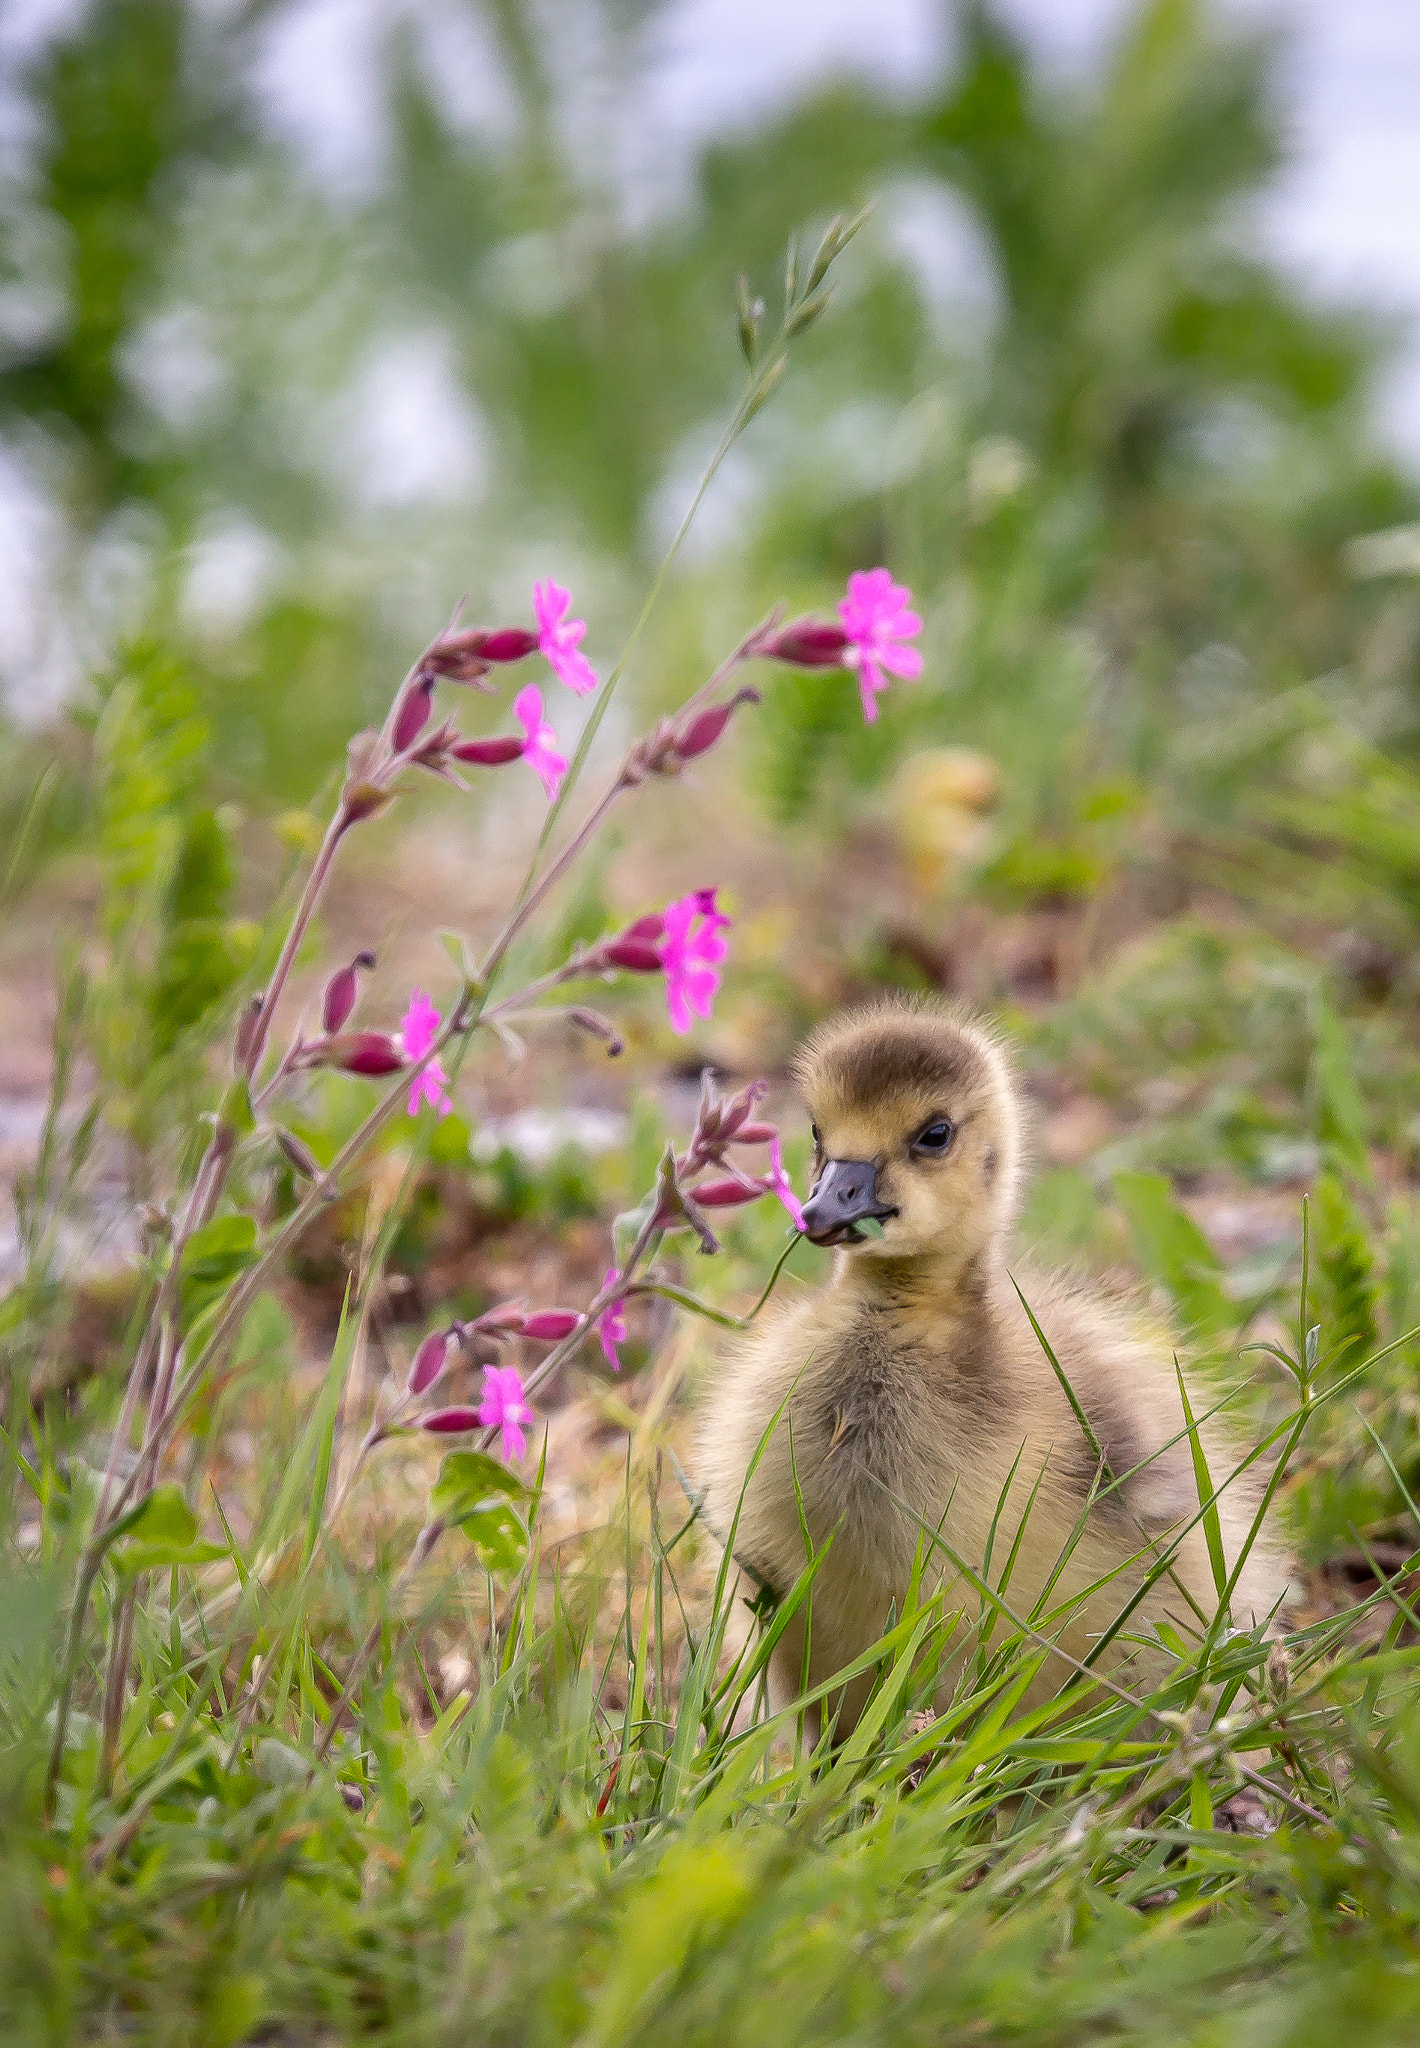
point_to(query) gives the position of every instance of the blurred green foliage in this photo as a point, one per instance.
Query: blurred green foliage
(1152, 447)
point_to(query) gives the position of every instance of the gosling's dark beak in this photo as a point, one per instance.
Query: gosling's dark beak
(846, 1194)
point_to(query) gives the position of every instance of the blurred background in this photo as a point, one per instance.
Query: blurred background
(315, 318)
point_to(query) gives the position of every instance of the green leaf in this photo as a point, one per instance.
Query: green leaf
(138, 1558)
(159, 1532)
(162, 1516)
(278, 1764)
(498, 1535)
(1174, 1252)
(1203, 1481)
(467, 1481)
(212, 1259)
(236, 1110)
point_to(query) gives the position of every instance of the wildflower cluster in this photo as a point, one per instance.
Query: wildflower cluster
(685, 942)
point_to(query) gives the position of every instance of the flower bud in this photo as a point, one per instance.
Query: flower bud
(429, 1361)
(505, 1320)
(363, 800)
(457, 658)
(341, 991)
(675, 1208)
(413, 714)
(298, 1155)
(489, 753)
(550, 1325)
(726, 1194)
(592, 1021)
(807, 643)
(756, 1134)
(705, 728)
(637, 956)
(450, 1421)
(506, 643)
(245, 1037)
(359, 1052)
(736, 1111)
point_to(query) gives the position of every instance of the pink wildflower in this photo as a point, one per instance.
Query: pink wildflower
(782, 1185)
(418, 1028)
(613, 1323)
(539, 751)
(691, 950)
(503, 1407)
(877, 621)
(560, 638)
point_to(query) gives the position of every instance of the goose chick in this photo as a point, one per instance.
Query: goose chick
(913, 1394)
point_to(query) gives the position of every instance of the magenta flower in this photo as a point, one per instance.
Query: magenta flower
(560, 638)
(782, 1185)
(418, 1028)
(877, 621)
(539, 750)
(503, 1407)
(613, 1323)
(691, 950)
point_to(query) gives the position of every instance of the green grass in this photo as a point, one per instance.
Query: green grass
(600, 1838)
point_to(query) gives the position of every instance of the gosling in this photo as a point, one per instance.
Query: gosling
(915, 1399)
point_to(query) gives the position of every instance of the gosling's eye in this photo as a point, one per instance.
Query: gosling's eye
(935, 1136)
(814, 1134)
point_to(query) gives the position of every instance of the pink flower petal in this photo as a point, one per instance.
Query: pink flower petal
(539, 751)
(418, 1028)
(783, 1186)
(691, 949)
(878, 619)
(560, 638)
(504, 1408)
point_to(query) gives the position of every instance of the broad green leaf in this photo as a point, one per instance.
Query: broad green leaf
(162, 1516)
(135, 1559)
(467, 1481)
(278, 1764)
(498, 1535)
(161, 1531)
(212, 1259)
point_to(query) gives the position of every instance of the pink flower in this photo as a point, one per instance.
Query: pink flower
(503, 1407)
(539, 751)
(691, 950)
(418, 1028)
(613, 1323)
(560, 638)
(782, 1185)
(876, 620)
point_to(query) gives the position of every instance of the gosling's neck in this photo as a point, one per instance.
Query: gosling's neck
(942, 1285)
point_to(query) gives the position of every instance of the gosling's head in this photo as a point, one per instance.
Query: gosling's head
(917, 1131)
